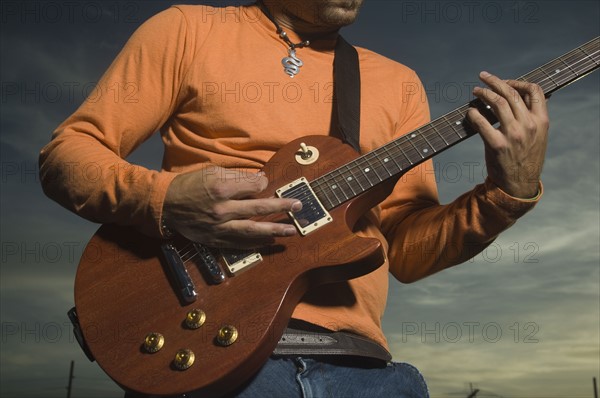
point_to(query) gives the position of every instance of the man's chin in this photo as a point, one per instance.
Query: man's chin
(340, 15)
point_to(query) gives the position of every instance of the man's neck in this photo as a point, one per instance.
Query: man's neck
(298, 21)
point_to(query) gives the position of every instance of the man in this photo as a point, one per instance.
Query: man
(213, 83)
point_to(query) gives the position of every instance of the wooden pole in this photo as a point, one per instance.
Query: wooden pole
(70, 379)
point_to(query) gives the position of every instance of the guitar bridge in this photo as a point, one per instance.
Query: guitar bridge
(313, 214)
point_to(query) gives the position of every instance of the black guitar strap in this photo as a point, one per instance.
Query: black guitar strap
(346, 76)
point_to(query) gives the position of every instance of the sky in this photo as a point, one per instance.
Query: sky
(521, 319)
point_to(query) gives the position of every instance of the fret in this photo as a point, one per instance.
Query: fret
(431, 135)
(457, 125)
(404, 153)
(333, 189)
(386, 161)
(564, 74)
(399, 146)
(548, 76)
(365, 172)
(442, 132)
(380, 166)
(321, 192)
(568, 67)
(371, 169)
(588, 56)
(556, 70)
(581, 61)
(428, 142)
(336, 186)
(364, 175)
(447, 124)
(410, 139)
(349, 180)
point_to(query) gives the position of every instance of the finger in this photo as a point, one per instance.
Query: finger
(536, 100)
(248, 208)
(502, 98)
(243, 229)
(234, 184)
(491, 136)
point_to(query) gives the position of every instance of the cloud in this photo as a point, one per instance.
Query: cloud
(554, 300)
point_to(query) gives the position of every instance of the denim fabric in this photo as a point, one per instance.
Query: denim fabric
(298, 377)
(313, 378)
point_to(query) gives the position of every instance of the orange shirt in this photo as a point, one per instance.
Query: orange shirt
(211, 81)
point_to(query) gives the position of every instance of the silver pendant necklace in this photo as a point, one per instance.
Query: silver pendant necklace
(291, 63)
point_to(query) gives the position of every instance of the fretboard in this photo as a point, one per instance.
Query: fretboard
(401, 155)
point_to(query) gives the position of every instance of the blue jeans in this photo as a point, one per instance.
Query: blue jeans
(297, 377)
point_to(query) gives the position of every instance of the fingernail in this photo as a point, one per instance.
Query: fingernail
(485, 74)
(297, 206)
(289, 231)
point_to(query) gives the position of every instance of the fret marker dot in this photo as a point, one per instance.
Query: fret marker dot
(413, 135)
(333, 186)
(488, 107)
(557, 71)
(349, 178)
(386, 160)
(458, 122)
(367, 170)
(425, 150)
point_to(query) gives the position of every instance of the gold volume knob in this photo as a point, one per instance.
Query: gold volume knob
(227, 335)
(195, 318)
(153, 342)
(184, 358)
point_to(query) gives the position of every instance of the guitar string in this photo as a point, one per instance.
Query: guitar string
(439, 126)
(438, 132)
(434, 126)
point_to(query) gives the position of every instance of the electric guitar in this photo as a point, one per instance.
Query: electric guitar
(165, 318)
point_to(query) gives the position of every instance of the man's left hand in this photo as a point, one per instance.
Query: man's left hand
(515, 151)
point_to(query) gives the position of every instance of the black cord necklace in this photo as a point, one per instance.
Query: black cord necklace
(291, 63)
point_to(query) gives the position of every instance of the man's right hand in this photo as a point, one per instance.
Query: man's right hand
(211, 206)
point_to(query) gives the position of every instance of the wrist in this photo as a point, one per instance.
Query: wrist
(531, 193)
(165, 230)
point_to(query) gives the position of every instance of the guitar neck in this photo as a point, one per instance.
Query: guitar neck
(399, 156)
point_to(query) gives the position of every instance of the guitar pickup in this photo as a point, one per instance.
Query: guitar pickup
(313, 214)
(237, 260)
(176, 268)
(208, 265)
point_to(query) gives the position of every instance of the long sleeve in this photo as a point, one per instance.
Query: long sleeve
(425, 237)
(83, 167)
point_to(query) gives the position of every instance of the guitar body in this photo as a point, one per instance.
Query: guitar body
(123, 292)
